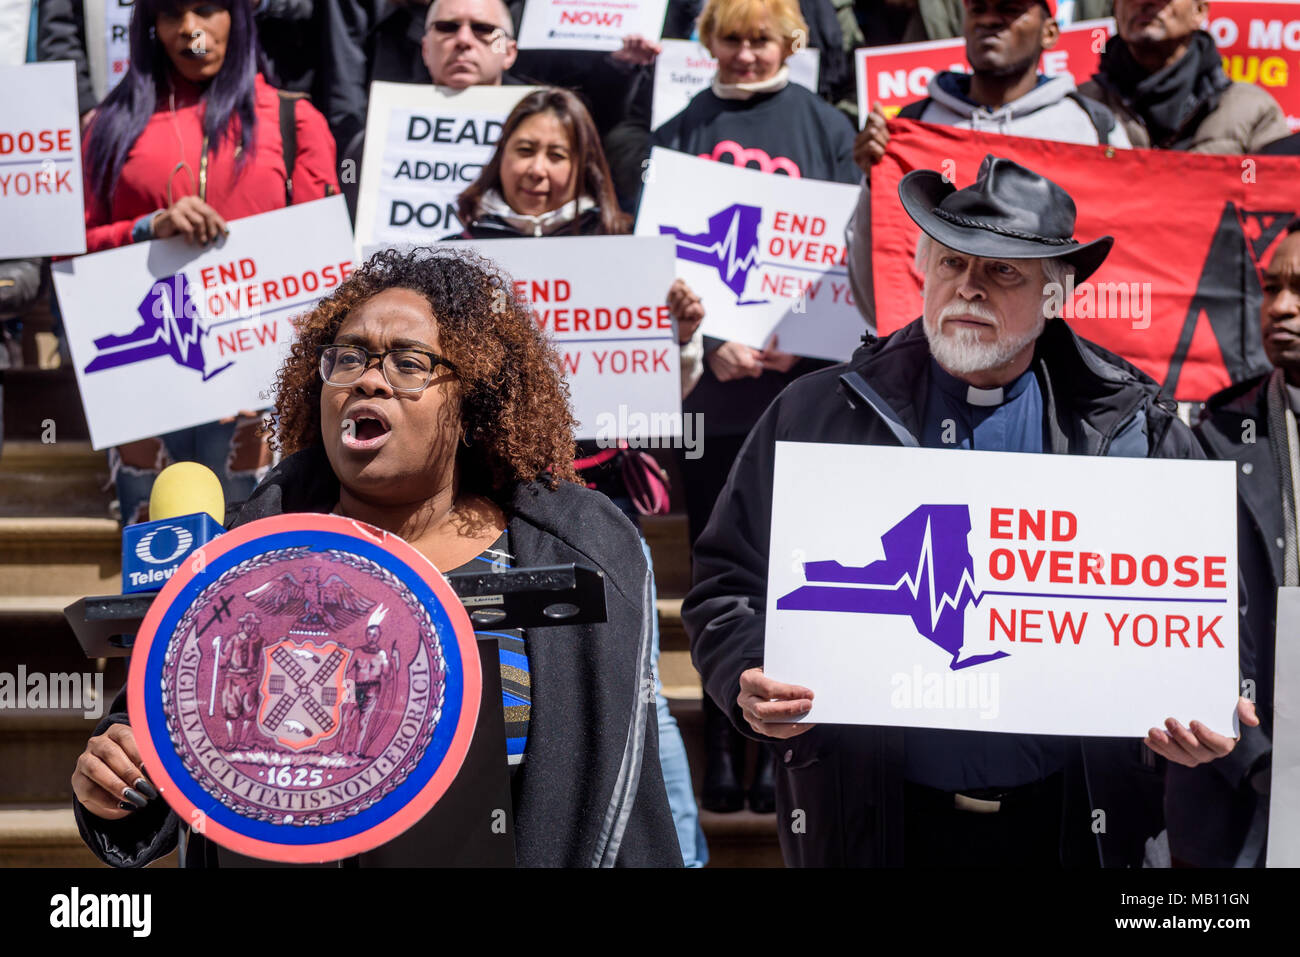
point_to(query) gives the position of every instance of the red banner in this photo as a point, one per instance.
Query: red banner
(896, 75)
(1179, 294)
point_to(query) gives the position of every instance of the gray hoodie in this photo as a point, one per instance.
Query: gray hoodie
(1046, 112)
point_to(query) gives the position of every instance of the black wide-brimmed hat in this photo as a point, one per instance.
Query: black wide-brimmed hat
(1009, 212)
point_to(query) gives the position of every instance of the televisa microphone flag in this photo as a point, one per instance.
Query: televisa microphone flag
(1179, 294)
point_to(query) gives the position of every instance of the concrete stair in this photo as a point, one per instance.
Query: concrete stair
(64, 478)
(47, 396)
(42, 837)
(60, 556)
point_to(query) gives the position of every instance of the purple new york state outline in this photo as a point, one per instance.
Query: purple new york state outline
(927, 574)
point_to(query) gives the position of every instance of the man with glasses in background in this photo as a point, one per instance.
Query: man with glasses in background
(406, 41)
(468, 43)
(462, 43)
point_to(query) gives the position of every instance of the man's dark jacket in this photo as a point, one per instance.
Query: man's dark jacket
(1210, 808)
(848, 780)
(591, 793)
(364, 41)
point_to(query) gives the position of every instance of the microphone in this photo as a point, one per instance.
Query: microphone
(186, 509)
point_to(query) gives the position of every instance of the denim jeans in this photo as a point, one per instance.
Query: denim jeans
(207, 444)
(672, 760)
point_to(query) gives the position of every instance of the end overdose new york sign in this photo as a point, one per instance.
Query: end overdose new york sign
(997, 591)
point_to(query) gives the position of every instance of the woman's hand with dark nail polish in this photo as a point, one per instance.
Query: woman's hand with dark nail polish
(108, 773)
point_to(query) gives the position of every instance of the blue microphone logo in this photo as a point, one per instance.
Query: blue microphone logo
(152, 551)
(178, 536)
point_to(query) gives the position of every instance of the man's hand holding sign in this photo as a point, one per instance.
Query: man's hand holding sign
(1008, 604)
(1196, 743)
(771, 707)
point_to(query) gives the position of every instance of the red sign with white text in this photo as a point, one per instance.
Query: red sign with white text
(1260, 44)
(894, 76)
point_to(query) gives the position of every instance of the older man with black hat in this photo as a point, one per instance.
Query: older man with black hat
(985, 367)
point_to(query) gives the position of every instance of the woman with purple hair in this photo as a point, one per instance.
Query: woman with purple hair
(190, 140)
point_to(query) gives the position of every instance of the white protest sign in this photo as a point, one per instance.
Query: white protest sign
(602, 301)
(1284, 790)
(764, 253)
(684, 67)
(41, 203)
(117, 40)
(589, 24)
(994, 591)
(424, 146)
(165, 335)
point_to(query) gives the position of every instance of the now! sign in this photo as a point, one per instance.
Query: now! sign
(589, 24)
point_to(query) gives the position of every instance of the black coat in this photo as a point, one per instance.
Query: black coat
(848, 779)
(1210, 807)
(364, 41)
(591, 793)
(61, 35)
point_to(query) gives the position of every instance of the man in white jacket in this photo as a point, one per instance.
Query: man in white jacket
(1004, 94)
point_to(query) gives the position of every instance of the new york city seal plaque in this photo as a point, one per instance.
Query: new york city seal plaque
(304, 688)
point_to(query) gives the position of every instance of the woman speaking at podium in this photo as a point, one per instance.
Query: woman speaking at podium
(420, 398)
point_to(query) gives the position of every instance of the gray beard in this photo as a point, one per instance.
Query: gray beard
(960, 351)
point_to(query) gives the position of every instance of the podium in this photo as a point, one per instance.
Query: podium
(472, 824)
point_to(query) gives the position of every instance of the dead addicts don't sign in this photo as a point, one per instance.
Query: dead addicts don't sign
(424, 146)
(1044, 594)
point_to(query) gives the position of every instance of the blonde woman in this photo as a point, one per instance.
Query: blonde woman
(750, 116)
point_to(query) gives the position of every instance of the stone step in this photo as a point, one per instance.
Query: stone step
(742, 839)
(37, 398)
(60, 556)
(59, 479)
(42, 837)
(35, 635)
(38, 750)
(672, 634)
(670, 549)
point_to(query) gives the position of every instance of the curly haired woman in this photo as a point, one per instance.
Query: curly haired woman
(420, 397)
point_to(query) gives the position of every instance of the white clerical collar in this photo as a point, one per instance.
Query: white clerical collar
(984, 397)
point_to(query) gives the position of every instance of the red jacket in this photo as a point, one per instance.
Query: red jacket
(170, 137)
